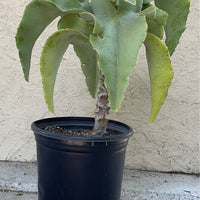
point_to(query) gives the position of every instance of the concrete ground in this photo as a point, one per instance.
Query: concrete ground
(18, 181)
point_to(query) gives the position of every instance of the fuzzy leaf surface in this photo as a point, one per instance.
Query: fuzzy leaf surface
(131, 1)
(156, 24)
(37, 16)
(85, 52)
(178, 11)
(123, 34)
(88, 58)
(149, 12)
(136, 5)
(51, 56)
(73, 21)
(160, 71)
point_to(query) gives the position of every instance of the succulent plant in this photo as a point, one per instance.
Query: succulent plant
(107, 36)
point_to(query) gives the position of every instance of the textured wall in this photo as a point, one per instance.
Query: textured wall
(168, 144)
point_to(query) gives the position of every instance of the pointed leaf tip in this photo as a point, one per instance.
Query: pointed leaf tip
(33, 23)
(51, 56)
(118, 49)
(178, 11)
(160, 71)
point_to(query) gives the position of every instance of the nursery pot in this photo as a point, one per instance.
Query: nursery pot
(78, 167)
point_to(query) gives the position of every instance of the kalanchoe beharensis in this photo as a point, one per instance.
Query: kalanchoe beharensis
(107, 36)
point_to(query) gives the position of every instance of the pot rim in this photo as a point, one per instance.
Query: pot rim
(38, 126)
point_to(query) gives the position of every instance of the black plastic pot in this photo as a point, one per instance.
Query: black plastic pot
(80, 168)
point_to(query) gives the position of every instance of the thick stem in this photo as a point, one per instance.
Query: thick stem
(102, 109)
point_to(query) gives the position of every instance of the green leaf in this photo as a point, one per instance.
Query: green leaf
(135, 5)
(156, 24)
(51, 56)
(160, 70)
(156, 20)
(37, 16)
(118, 49)
(149, 12)
(103, 10)
(146, 1)
(131, 1)
(88, 17)
(86, 6)
(73, 21)
(88, 58)
(85, 52)
(139, 5)
(176, 24)
(65, 5)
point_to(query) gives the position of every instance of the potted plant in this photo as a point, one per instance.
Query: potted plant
(79, 157)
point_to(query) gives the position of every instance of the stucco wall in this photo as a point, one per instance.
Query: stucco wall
(171, 143)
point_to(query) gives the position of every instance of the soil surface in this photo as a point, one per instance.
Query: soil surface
(76, 132)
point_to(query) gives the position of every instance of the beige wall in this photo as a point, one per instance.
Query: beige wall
(171, 143)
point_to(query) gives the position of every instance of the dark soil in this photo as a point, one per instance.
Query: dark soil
(77, 132)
